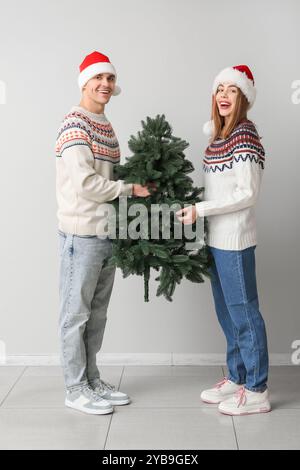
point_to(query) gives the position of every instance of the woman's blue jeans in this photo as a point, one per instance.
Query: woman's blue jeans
(236, 302)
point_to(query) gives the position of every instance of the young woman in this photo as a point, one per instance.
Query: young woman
(233, 165)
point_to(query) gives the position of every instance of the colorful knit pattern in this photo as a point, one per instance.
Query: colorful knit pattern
(243, 144)
(79, 129)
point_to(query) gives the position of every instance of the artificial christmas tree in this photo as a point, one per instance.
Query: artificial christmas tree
(154, 239)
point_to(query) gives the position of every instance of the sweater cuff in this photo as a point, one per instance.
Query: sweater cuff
(127, 189)
(200, 208)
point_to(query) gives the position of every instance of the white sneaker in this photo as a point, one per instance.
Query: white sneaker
(87, 401)
(220, 392)
(245, 402)
(109, 393)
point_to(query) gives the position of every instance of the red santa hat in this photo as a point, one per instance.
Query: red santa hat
(239, 75)
(92, 65)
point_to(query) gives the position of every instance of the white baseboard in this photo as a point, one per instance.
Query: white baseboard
(143, 359)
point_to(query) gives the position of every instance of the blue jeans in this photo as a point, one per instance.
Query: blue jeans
(85, 288)
(236, 302)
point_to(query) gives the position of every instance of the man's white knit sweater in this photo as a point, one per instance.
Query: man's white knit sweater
(86, 151)
(233, 170)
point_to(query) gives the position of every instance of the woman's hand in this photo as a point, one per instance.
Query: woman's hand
(188, 215)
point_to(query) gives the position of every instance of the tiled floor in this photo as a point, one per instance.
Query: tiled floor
(165, 413)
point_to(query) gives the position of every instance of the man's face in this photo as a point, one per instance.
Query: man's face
(100, 88)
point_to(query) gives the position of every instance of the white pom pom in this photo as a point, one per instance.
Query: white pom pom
(208, 128)
(117, 90)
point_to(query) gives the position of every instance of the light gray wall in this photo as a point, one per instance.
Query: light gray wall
(167, 54)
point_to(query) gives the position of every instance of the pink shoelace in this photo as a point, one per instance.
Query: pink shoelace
(241, 396)
(221, 383)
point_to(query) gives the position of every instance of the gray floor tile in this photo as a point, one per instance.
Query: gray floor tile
(52, 429)
(166, 411)
(279, 429)
(198, 371)
(36, 392)
(170, 429)
(15, 371)
(142, 371)
(214, 373)
(292, 372)
(162, 391)
(284, 393)
(43, 371)
(8, 377)
(284, 386)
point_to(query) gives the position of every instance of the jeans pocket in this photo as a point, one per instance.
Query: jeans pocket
(62, 241)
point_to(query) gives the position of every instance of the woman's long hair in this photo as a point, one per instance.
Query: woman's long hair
(239, 113)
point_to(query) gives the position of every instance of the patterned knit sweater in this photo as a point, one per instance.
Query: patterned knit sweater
(86, 151)
(233, 171)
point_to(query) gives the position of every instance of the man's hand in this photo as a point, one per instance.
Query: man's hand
(141, 191)
(188, 215)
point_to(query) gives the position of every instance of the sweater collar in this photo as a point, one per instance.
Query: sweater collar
(96, 117)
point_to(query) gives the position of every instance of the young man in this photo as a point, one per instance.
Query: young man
(86, 151)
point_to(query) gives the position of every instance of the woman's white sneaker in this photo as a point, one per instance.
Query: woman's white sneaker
(220, 392)
(246, 402)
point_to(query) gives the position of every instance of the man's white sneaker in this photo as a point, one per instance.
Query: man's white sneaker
(87, 401)
(108, 392)
(221, 391)
(246, 402)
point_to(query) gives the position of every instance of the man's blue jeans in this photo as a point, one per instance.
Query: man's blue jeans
(85, 287)
(236, 302)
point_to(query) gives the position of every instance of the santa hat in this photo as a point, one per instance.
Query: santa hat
(92, 65)
(241, 76)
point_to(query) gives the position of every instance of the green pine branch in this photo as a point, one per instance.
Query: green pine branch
(158, 157)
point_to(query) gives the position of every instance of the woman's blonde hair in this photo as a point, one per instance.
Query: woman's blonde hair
(239, 113)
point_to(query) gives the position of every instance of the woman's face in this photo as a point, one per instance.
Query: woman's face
(226, 96)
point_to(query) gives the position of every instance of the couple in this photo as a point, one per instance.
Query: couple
(86, 150)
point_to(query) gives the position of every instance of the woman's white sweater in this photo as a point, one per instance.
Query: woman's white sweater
(233, 171)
